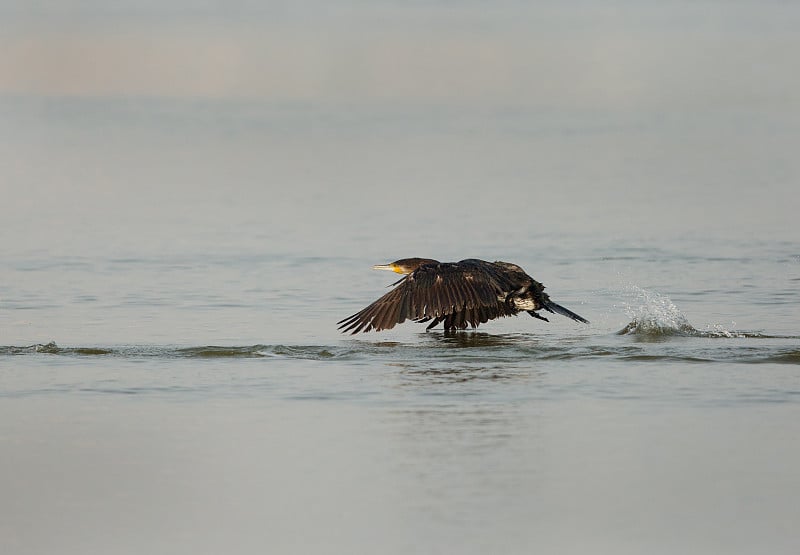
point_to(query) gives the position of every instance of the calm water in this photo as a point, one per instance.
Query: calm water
(172, 266)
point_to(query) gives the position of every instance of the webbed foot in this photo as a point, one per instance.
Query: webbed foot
(537, 315)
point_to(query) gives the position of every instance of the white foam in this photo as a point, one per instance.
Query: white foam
(652, 312)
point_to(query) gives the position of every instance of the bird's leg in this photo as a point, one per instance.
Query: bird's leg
(537, 315)
(432, 324)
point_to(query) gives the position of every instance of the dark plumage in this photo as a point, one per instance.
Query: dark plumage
(457, 294)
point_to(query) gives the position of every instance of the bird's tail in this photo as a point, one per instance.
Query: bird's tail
(550, 306)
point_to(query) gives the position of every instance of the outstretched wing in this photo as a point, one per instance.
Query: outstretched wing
(473, 291)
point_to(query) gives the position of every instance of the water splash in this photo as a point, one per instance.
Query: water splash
(718, 330)
(654, 315)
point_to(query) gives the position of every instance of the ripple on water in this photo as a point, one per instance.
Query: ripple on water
(652, 342)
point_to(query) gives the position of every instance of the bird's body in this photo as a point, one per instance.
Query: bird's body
(457, 294)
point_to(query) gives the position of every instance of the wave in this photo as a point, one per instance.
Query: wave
(791, 356)
(201, 352)
(469, 350)
(655, 330)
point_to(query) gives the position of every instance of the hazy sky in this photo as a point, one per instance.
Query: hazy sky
(669, 115)
(594, 54)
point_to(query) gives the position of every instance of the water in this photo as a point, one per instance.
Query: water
(204, 402)
(176, 251)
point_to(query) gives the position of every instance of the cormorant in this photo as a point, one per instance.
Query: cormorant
(458, 294)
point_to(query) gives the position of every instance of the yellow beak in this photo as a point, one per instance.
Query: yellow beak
(390, 267)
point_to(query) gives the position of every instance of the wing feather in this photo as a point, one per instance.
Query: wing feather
(463, 293)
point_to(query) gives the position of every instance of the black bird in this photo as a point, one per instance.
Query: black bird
(458, 294)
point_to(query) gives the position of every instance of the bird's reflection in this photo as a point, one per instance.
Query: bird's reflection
(456, 338)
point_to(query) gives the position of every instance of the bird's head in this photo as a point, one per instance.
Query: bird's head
(405, 265)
